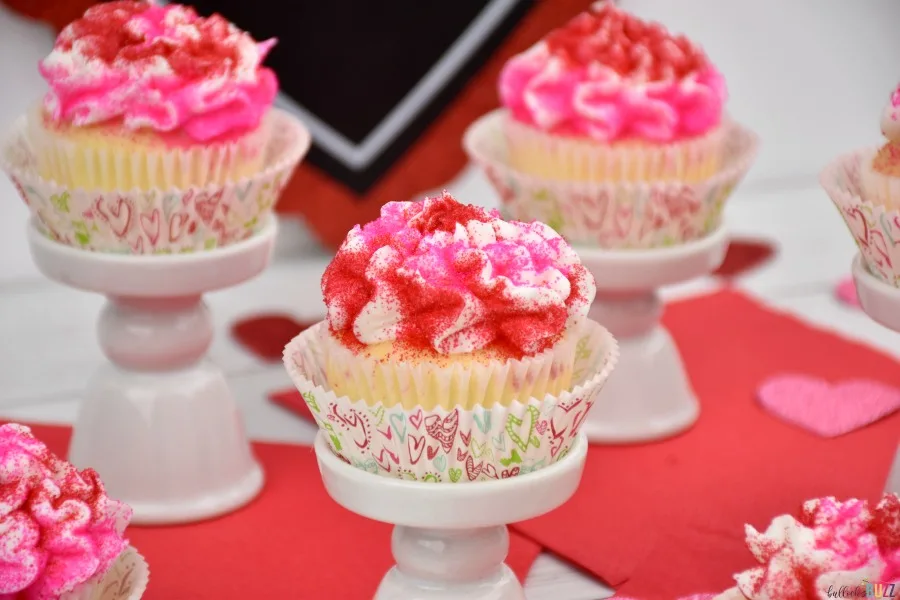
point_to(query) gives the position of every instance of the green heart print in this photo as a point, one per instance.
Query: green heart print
(514, 429)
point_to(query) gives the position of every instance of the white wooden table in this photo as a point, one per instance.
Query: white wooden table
(48, 343)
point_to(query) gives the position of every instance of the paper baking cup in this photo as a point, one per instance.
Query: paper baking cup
(104, 161)
(875, 228)
(453, 445)
(158, 221)
(456, 383)
(127, 579)
(612, 215)
(552, 156)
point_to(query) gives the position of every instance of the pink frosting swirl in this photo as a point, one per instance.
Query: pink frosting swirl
(832, 545)
(451, 278)
(58, 528)
(161, 68)
(608, 76)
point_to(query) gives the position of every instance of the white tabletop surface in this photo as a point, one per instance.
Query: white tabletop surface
(48, 331)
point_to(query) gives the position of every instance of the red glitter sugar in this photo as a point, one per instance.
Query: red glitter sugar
(105, 37)
(431, 302)
(631, 47)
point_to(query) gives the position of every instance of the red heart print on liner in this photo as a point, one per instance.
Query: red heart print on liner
(846, 293)
(443, 431)
(744, 256)
(266, 335)
(150, 223)
(117, 214)
(828, 410)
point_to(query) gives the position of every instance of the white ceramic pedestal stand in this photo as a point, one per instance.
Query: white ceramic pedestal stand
(882, 303)
(159, 424)
(648, 396)
(450, 540)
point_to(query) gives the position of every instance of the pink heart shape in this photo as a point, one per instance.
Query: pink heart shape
(825, 409)
(846, 292)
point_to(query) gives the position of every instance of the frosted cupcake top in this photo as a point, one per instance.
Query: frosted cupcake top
(451, 278)
(832, 544)
(58, 528)
(609, 76)
(162, 68)
(887, 160)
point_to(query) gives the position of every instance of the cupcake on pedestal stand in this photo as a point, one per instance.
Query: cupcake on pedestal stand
(128, 201)
(865, 187)
(450, 383)
(613, 133)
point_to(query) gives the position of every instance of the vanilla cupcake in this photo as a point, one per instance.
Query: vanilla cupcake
(61, 536)
(452, 333)
(611, 98)
(148, 96)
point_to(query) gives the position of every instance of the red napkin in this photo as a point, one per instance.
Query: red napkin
(642, 510)
(292, 542)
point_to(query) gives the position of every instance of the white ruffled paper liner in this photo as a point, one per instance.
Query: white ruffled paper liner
(126, 579)
(463, 383)
(875, 227)
(556, 157)
(158, 221)
(455, 445)
(107, 162)
(626, 215)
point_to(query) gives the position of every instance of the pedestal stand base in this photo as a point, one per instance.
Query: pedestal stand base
(159, 424)
(444, 549)
(648, 396)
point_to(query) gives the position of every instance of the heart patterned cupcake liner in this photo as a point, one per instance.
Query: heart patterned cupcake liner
(156, 221)
(875, 228)
(453, 445)
(612, 215)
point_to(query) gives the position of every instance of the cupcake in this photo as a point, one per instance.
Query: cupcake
(611, 98)
(61, 536)
(833, 550)
(457, 334)
(865, 187)
(880, 172)
(613, 132)
(157, 135)
(148, 96)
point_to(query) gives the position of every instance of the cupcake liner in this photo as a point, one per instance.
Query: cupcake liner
(127, 579)
(569, 159)
(109, 162)
(456, 383)
(612, 215)
(157, 221)
(454, 445)
(875, 227)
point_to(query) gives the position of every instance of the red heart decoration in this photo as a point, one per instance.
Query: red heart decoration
(265, 336)
(825, 409)
(744, 256)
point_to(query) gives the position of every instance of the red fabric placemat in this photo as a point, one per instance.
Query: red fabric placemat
(291, 542)
(640, 510)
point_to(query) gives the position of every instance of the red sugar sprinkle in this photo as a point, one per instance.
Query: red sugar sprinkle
(430, 305)
(626, 44)
(104, 36)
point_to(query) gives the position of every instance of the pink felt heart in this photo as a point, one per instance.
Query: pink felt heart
(846, 292)
(825, 409)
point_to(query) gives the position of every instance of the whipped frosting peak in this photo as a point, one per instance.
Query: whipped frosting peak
(451, 279)
(162, 68)
(831, 545)
(890, 118)
(58, 528)
(609, 76)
